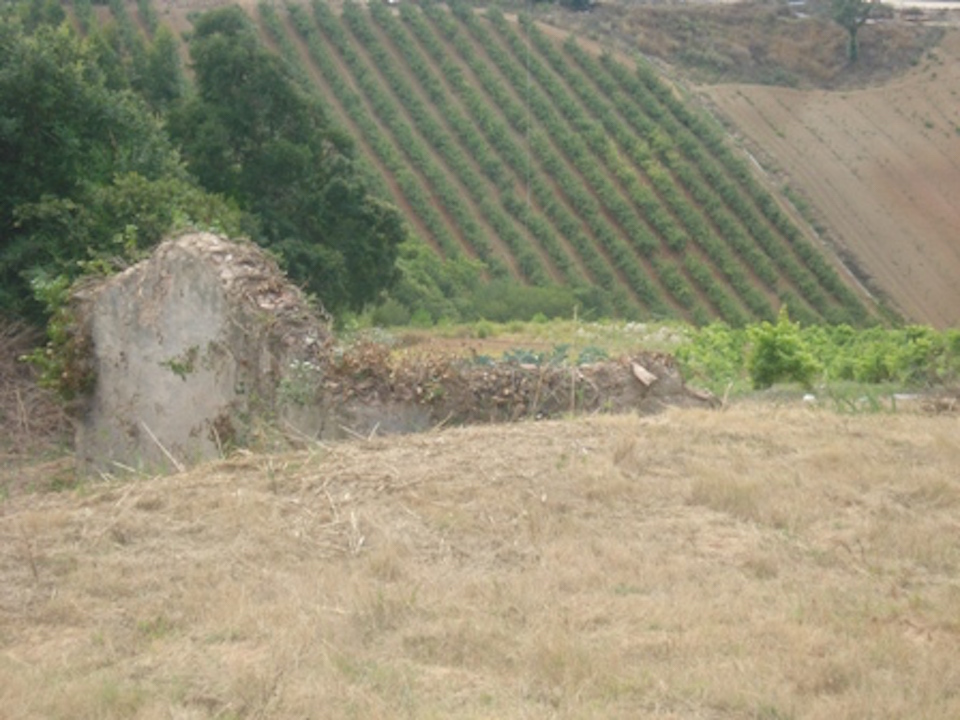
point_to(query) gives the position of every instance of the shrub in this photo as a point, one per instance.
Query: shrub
(779, 354)
(505, 300)
(391, 314)
(421, 319)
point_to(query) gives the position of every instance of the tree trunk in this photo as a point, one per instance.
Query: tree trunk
(853, 46)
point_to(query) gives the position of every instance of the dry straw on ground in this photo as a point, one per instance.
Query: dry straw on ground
(32, 421)
(757, 562)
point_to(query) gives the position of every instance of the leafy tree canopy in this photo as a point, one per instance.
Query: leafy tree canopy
(251, 133)
(74, 150)
(89, 174)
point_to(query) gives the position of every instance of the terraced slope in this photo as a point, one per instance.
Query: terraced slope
(553, 165)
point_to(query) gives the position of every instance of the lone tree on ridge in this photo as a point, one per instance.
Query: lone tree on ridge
(851, 15)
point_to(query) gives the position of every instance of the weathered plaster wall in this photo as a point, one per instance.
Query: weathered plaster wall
(186, 345)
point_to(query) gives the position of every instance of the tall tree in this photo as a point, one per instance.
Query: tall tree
(86, 170)
(851, 15)
(250, 132)
(160, 78)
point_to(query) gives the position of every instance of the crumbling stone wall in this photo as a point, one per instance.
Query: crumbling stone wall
(206, 339)
(187, 345)
(373, 392)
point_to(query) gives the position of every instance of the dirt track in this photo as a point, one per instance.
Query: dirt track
(880, 165)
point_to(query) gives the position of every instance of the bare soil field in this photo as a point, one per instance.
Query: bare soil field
(760, 562)
(880, 168)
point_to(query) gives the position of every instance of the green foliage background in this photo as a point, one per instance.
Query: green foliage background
(719, 356)
(544, 181)
(105, 149)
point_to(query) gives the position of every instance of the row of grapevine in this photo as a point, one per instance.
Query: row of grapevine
(728, 175)
(83, 9)
(553, 146)
(129, 35)
(410, 184)
(678, 222)
(767, 205)
(441, 184)
(278, 34)
(738, 202)
(504, 163)
(495, 94)
(662, 221)
(553, 165)
(472, 140)
(436, 136)
(148, 15)
(547, 163)
(611, 139)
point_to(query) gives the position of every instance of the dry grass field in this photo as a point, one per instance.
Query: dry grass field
(767, 561)
(757, 562)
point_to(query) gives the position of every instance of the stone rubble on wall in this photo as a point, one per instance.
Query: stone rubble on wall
(199, 346)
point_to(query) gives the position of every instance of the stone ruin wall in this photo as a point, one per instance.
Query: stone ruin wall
(203, 342)
(186, 345)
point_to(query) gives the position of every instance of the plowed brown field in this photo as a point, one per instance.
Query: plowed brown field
(880, 167)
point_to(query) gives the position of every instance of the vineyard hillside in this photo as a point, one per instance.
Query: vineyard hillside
(870, 153)
(550, 163)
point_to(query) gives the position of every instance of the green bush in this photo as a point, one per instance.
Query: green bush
(421, 319)
(505, 300)
(779, 354)
(714, 355)
(391, 313)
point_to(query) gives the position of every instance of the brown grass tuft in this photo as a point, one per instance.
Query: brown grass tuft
(32, 421)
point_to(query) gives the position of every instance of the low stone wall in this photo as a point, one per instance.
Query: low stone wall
(206, 340)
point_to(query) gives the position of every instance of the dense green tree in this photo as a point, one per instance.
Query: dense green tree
(105, 48)
(160, 79)
(250, 133)
(86, 170)
(35, 13)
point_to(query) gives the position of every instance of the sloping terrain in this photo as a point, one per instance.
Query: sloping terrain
(870, 153)
(606, 193)
(550, 164)
(880, 168)
(752, 563)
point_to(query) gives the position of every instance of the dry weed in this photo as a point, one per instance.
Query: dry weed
(758, 562)
(32, 422)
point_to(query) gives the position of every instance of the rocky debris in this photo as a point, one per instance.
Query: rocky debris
(366, 390)
(943, 402)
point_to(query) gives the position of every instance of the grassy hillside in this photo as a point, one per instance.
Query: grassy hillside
(552, 165)
(756, 563)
